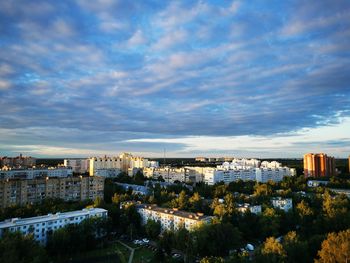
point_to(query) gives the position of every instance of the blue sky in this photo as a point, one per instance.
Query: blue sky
(242, 78)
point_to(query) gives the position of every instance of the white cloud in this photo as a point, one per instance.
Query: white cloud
(4, 84)
(286, 145)
(137, 38)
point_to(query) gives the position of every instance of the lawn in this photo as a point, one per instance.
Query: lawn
(113, 253)
(143, 255)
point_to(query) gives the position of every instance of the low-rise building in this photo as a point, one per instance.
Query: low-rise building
(29, 191)
(285, 204)
(41, 227)
(32, 173)
(254, 209)
(316, 183)
(136, 189)
(172, 219)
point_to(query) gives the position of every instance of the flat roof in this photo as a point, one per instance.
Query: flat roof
(172, 211)
(39, 219)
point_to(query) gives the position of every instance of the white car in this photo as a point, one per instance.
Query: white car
(145, 240)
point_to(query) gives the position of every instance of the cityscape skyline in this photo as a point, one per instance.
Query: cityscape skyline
(213, 78)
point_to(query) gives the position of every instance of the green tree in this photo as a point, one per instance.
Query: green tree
(212, 260)
(152, 228)
(16, 248)
(296, 250)
(336, 248)
(196, 202)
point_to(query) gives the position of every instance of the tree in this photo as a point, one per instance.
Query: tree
(152, 228)
(296, 250)
(262, 190)
(14, 248)
(196, 202)
(336, 248)
(271, 251)
(212, 260)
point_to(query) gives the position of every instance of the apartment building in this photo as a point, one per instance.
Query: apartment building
(108, 173)
(18, 161)
(78, 165)
(24, 191)
(318, 165)
(169, 174)
(32, 173)
(41, 227)
(172, 219)
(123, 162)
(285, 204)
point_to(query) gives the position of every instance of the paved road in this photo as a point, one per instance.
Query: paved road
(132, 250)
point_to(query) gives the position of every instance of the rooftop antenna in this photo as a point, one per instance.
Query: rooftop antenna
(164, 157)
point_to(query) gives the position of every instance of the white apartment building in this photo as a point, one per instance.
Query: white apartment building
(169, 174)
(42, 226)
(78, 165)
(172, 219)
(32, 173)
(282, 203)
(272, 164)
(123, 162)
(263, 175)
(254, 209)
(240, 164)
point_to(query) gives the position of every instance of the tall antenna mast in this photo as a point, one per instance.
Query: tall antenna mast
(164, 157)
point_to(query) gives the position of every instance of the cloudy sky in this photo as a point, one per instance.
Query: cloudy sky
(240, 78)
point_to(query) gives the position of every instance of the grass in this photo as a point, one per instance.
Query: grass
(143, 255)
(112, 254)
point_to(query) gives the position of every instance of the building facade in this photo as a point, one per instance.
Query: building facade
(172, 219)
(41, 227)
(24, 191)
(318, 165)
(124, 162)
(31, 173)
(80, 166)
(284, 204)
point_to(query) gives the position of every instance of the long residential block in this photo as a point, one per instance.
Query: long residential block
(41, 227)
(23, 191)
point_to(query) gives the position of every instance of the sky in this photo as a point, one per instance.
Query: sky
(197, 78)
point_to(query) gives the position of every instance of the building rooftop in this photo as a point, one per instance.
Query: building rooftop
(38, 219)
(175, 211)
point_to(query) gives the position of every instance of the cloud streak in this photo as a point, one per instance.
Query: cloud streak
(171, 70)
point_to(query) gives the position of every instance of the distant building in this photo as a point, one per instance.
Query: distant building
(124, 162)
(18, 161)
(316, 183)
(136, 189)
(172, 219)
(24, 191)
(254, 209)
(31, 173)
(78, 165)
(318, 165)
(201, 159)
(216, 175)
(41, 227)
(284, 204)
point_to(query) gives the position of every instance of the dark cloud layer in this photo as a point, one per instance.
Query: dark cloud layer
(102, 71)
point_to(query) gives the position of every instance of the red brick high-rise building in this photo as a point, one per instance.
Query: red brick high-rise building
(318, 165)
